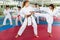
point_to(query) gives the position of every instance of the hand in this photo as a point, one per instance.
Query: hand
(28, 15)
(31, 12)
(18, 15)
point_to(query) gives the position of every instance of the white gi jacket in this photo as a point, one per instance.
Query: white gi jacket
(24, 12)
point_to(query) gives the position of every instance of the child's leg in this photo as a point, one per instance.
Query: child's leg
(21, 20)
(49, 28)
(21, 30)
(38, 20)
(4, 22)
(16, 21)
(10, 20)
(34, 24)
(50, 22)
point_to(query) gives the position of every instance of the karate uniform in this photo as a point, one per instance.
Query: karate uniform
(7, 16)
(18, 18)
(27, 21)
(49, 18)
(37, 10)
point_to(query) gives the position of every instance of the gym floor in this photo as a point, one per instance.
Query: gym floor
(8, 32)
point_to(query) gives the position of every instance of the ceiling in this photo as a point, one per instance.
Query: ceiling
(45, 1)
(34, 1)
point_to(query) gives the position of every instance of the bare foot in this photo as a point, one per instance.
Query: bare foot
(50, 35)
(36, 36)
(16, 36)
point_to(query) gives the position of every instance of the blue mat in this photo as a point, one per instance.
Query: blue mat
(11, 26)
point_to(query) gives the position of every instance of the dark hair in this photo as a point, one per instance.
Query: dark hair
(7, 5)
(35, 3)
(52, 6)
(19, 6)
(24, 3)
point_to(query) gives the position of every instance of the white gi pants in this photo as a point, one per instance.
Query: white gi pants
(18, 19)
(28, 22)
(7, 17)
(49, 20)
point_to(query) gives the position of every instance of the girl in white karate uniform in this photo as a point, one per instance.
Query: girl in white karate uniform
(7, 15)
(29, 19)
(18, 18)
(51, 12)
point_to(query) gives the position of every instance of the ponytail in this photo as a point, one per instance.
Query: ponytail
(24, 3)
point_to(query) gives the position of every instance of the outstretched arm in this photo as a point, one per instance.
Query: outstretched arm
(57, 13)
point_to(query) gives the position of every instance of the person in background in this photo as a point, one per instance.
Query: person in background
(18, 18)
(7, 15)
(52, 11)
(36, 9)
